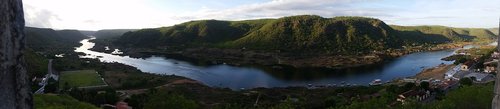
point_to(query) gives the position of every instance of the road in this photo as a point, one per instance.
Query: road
(44, 82)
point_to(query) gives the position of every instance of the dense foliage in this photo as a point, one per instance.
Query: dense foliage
(338, 35)
(438, 34)
(467, 97)
(47, 101)
(49, 40)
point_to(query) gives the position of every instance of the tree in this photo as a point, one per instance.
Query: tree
(287, 104)
(460, 60)
(466, 81)
(467, 97)
(409, 86)
(15, 92)
(424, 85)
(164, 100)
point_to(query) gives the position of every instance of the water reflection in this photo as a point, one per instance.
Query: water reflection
(236, 77)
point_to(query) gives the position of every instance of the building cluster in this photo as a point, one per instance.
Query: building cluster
(451, 79)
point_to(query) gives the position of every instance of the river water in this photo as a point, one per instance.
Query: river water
(237, 77)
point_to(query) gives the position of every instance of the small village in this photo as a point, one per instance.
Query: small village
(439, 80)
(480, 69)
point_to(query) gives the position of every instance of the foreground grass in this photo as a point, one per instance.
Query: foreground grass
(467, 97)
(47, 101)
(80, 78)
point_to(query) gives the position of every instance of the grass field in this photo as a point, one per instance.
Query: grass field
(80, 78)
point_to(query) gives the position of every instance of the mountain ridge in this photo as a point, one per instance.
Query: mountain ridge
(345, 34)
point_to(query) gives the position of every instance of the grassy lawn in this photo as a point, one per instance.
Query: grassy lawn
(79, 78)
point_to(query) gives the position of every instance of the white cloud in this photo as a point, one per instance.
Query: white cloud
(93, 14)
(104, 14)
(39, 17)
(280, 8)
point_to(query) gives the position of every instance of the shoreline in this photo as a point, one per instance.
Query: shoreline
(239, 57)
(178, 55)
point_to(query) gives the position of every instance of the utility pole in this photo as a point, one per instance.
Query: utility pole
(496, 92)
(15, 90)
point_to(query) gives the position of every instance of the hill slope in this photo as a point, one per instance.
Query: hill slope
(449, 33)
(45, 39)
(338, 34)
(299, 34)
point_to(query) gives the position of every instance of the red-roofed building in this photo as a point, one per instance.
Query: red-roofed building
(419, 95)
(448, 85)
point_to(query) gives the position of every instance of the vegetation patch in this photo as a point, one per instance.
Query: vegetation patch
(126, 77)
(48, 101)
(80, 78)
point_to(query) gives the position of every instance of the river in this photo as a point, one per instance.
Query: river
(237, 77)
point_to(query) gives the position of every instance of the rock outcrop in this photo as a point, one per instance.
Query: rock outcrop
(15, 90)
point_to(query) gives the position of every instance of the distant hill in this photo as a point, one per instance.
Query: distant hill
(110, 33)
(299, 33)
(440, 34)
(45, 39)
(87, 32)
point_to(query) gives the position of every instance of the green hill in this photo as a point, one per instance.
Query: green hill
(338, 34)
(44, 43)
(194, 32)
(45, 39)
(87, 32)
(299, 33)
(455, 34)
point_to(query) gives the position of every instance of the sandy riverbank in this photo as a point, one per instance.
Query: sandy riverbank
(435, 72)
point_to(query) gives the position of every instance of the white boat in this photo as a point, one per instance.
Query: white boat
(376, 82)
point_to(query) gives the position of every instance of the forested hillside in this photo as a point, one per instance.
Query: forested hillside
(44, 43)
(299, 33)
(441, 34)
(45, 39)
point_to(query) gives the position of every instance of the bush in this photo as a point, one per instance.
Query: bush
(164, 100)
(466, 81)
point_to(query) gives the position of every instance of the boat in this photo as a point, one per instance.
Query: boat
(376, 82)
(343, 82)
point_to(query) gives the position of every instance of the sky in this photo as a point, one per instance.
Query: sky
(135, 14)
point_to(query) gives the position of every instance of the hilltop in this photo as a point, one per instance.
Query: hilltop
(298, 33)
(340, 34)
(432, 33)
(110, 33)
(46, 39)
